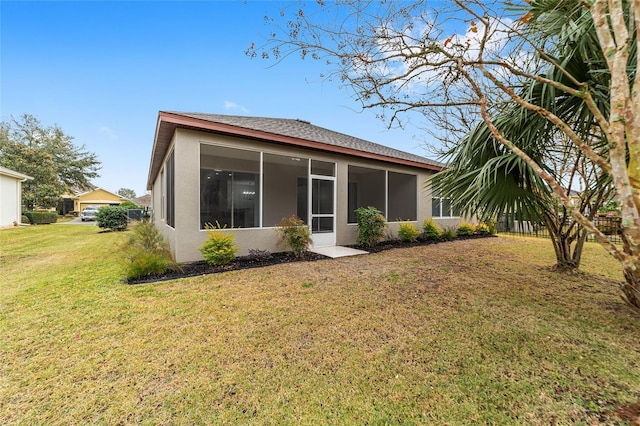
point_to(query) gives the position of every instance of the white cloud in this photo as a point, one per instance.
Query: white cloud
(232, 106)
(109, 132)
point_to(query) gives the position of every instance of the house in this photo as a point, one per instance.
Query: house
(247, 173)
(11, 196)
(96, 197)
(143, 201)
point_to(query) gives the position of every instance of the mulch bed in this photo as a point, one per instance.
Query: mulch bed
(193, 269)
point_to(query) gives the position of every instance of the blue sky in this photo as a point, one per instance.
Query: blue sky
(103, 70)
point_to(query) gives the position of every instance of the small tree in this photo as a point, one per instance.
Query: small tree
(371, 226)
(112, 218)
(295, 234)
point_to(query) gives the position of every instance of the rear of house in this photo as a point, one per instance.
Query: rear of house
(248, 173)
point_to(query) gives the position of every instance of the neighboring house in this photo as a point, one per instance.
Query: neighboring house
(143, 201)
(11, 196)
(247, 173)
(96, 197)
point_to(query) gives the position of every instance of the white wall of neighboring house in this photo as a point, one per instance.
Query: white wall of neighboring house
(10, 196)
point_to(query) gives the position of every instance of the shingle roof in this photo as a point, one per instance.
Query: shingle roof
(301, 129)
(280, 130)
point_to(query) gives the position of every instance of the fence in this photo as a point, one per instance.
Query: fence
(610, 226)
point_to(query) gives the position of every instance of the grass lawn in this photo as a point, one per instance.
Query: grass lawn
(466, 332)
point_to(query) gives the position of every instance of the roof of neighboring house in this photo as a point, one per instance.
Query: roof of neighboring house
(144, 200)
(12, 173)
(95, 190)
(293, 132)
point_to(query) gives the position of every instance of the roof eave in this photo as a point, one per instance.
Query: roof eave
(16, 175)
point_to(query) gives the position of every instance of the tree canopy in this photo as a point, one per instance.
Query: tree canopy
(127, 193)
(460, 62)
(48, 155)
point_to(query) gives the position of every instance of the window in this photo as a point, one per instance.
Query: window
(170, 209)
(403, 198)
(366, 188)
(441, 207)
(286, 188)
(395, 193)
(229, 187)
(322, 168)
(163, 195)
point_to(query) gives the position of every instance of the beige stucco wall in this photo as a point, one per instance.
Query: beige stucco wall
(187, 236)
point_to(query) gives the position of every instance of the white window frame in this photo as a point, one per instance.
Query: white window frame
(440, 216)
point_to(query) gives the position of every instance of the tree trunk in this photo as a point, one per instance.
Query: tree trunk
(631, 286)
(566, 259)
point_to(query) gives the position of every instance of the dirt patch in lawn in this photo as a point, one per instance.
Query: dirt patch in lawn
(629, 413)
(192, 269)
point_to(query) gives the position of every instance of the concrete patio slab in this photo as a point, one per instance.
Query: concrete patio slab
(337, 251)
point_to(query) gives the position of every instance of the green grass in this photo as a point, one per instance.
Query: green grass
(476, 331)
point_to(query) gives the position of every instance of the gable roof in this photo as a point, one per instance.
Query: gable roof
(144, 200)
(12, 173)
(78, 195)
(293, 132)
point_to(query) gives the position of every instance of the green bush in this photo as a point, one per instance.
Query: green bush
(371, 226)
(465, 229)
(293, 233)
(40, 217)
(219, 249)
(149, 252)
(483, 229)
(129, 205)
(144, 264)
(493, 226)
(24, 219)
(113, 218)
(448, 234)
(408, 232)
(431, 229)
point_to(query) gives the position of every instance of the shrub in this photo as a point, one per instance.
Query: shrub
(465, 229)
(294, 234)
(371, 225)
(431, 229)
(448, 234)
(146, 237)
(24, 219)
(408, 232)
(493, 226)
(39, 217)
(113, 218)
(144, 264)
(129, 205)
(219, 249)
(149, 252)
(483, 229)
(259, 255)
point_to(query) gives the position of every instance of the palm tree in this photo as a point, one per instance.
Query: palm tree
(486, 179)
